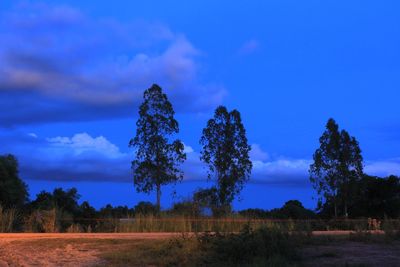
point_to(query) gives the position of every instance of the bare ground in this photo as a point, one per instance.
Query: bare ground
(349, 253)
(63, 249)
(87, 249)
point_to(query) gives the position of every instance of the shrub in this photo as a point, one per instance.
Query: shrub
(8, 219)
(259, 247)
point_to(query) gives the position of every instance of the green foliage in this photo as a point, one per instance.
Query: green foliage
(226, 152)
(13, 191)
(157, 157)
(337, 166)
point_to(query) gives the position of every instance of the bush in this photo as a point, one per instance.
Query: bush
(42, 221)
(8, 219)
(256, 248)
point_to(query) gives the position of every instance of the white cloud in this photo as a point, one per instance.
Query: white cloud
(83, 142)
(33, 135)
(383, 168)
(257, 153)
(187, 149)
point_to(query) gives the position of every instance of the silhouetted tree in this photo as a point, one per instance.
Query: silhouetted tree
(115, 212)
(186, 208)
(157, 157)
(145, 208)
(337, 166)
(207, 199)
(294, 209)
(226, 152)
(66, 201)
(44, 201)
(13, 191)
(376, 197)
(87, 216)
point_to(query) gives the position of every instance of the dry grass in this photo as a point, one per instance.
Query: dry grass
(8, 219)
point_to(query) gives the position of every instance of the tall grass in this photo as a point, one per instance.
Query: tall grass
(54, 220)
(228, 224)
(42, 221)
(8, 219)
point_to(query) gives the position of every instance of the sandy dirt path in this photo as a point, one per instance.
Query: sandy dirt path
(20, 250)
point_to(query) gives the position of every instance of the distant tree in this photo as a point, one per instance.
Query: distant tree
(294, 209)
(186, 208)
(145, 208)
(377, 197)
(337, 166)
(255, 213)
(115, 212)
(44, 201)
(157, 157)
(207, 200)
(66, 201)
(13, 191)
(87, 216)
(226, 152)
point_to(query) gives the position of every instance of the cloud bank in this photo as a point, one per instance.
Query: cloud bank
(57, 64)
(83, 157)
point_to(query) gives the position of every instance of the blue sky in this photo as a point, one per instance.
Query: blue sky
(72, 74)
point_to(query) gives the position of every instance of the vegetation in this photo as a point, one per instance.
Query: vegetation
(226, 152)
(157, 157)
(13, 191)
(337, 167)
(336, 174)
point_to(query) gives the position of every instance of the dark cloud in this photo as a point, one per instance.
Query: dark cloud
(56, 64)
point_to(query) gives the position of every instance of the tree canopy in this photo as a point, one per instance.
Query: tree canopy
(338, 165)
(225, 150)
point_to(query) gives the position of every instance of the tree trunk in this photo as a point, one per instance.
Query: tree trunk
(345, 209)
(158, 198)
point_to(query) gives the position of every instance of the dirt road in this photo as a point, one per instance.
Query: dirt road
(29, 249)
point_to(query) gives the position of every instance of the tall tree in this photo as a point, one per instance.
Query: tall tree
(338, 164)
(350, 169)
(13, 191)
(157, 156)
(226, 152)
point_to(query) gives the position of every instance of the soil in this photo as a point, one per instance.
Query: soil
(349, 253)
(73, 250)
